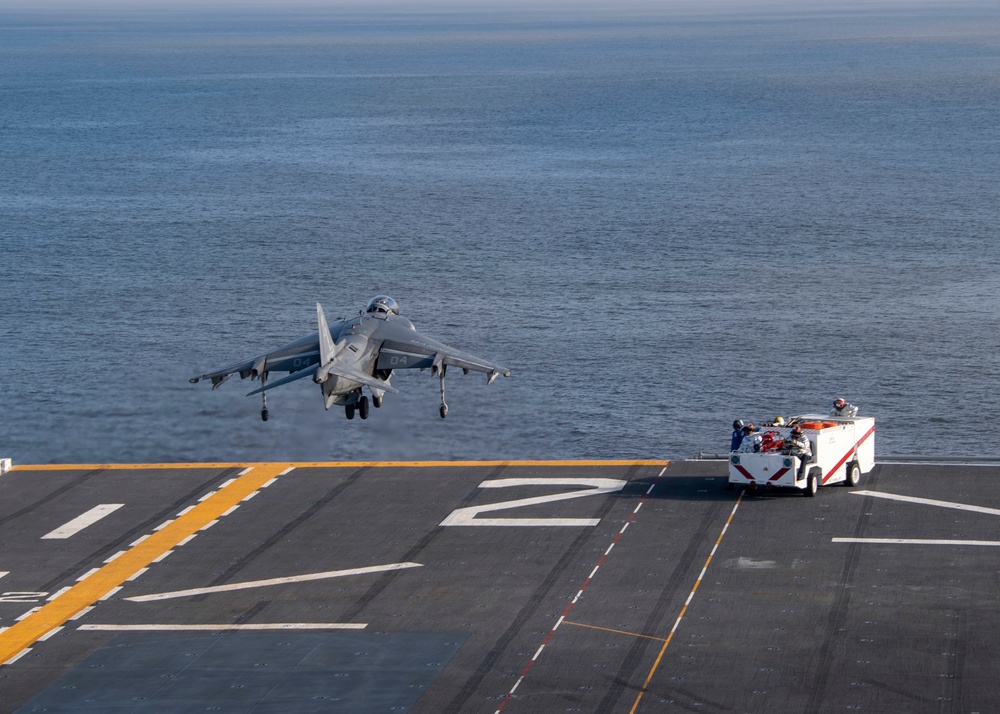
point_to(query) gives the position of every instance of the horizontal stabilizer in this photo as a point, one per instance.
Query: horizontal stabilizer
(357, 376)
(335, 369)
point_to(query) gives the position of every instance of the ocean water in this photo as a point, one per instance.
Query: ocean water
(661, 219)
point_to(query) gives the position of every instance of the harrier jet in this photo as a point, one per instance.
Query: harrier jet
(358, 352)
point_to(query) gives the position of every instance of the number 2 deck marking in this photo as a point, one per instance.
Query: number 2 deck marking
(594, 487)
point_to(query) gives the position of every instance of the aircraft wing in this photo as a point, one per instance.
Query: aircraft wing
(404, 348)
(292, 357)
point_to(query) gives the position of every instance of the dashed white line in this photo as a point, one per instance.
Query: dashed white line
(49, 634)
(89, 518)
(57, 593)
(18, 656)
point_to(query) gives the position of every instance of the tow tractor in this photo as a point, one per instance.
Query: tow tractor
(842, 450)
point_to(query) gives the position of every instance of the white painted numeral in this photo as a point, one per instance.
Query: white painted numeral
(595, 486)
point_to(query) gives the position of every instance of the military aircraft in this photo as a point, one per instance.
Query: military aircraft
(358, 352)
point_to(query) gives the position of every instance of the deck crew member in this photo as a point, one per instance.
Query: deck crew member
(737, 435)
(842, 408)
(751, 440)
(797, 444)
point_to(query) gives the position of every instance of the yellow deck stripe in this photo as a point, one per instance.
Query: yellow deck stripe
(88, 591)
(677, 622)
(345, 464)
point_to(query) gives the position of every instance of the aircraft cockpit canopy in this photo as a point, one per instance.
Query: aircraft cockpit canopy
(383, 304)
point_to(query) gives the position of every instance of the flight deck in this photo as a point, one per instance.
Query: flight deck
(513, 586)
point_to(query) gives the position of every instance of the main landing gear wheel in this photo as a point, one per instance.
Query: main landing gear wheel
(363, 407)
(349, 410)
(853, 474)
(376, 401)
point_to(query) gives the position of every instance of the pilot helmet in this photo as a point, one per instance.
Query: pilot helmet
(384, 304)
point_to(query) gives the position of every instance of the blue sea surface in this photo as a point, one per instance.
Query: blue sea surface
(660, 218)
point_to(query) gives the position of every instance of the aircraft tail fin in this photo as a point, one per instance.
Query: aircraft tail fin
(326, 348)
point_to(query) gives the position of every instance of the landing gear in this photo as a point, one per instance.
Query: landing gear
(359, 405)
(376, 401)
(443, 410)
(263, 409)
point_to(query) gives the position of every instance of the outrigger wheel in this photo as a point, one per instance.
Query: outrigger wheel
(264, 414)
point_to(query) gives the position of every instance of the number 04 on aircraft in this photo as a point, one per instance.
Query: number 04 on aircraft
(355, 353)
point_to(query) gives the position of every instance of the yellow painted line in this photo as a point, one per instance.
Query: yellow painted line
(129, 467)
(345, 464)
(617, 632)
(103, 581)
(677, 622)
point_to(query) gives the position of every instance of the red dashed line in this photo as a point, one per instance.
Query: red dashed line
(579, 594)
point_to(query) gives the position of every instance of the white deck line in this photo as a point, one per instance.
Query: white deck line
(916, 541)
(929, 502)
(273, 581)
(71, 528)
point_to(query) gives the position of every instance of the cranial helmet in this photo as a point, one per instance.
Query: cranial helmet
(839, 403)
(383, 304)
(738, 424)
